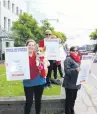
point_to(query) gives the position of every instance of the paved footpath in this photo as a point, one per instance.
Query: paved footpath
(83, 104)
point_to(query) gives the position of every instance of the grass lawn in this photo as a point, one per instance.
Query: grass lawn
(15, 88)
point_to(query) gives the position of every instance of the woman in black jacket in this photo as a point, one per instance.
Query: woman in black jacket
(72, 68)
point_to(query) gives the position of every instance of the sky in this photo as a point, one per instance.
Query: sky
(76, 18)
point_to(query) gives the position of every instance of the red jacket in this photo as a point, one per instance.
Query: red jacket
(41, 43)
(58, 62)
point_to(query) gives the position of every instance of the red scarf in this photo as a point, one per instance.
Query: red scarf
(33, 68)
(75, 57)
(41, 43)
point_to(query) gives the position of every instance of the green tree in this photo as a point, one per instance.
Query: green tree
(26, 27)
(93, 35)
(60, 35)
(46, 25)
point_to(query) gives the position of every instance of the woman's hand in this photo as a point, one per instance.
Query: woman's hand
(90, 71)
(78, 69)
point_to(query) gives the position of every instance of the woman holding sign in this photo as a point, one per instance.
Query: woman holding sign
(72, 68)
(35, 85)
(48, 34)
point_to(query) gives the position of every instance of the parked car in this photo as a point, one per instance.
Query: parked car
(81, 53)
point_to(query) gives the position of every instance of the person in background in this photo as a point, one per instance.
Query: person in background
(59, 62)
(57, 65)
(54, 69)
(59, 68)
(48, 34)
(71, 68)
(35, 85)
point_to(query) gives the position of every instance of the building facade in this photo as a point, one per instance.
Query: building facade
(9, 11)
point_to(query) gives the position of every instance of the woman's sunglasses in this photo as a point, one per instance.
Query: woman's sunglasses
(74, 50)
(48, 34)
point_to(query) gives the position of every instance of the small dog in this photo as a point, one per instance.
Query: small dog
(41, 61)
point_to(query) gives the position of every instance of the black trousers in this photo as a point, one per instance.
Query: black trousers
(71, 95)
(50, 68)
(55, 68)
(60, 70)
(29, 93)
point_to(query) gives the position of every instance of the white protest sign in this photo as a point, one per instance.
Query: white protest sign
(17, 63)
(85, 68)
(52, 48)
(62, 54)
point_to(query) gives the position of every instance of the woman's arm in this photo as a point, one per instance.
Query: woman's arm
(67, 67)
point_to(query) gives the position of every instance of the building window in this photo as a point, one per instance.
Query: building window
(7, 44)
(12, 7)
(17, 10)
(8, 4)
(5, 23)
(9, 24)
(20, 11)
(4, 3)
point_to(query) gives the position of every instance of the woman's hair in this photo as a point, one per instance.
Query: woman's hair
(36, 47)
(30, 40)
(72, 48)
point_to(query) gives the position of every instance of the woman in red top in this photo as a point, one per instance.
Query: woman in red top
(35, 85)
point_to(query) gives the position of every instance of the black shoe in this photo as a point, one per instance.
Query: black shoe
(62, 77)
(72, 112)
(46, 87)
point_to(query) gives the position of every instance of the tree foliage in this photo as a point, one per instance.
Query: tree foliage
(46, 25)
(60, 35)
(93, 35)
(26, 27)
